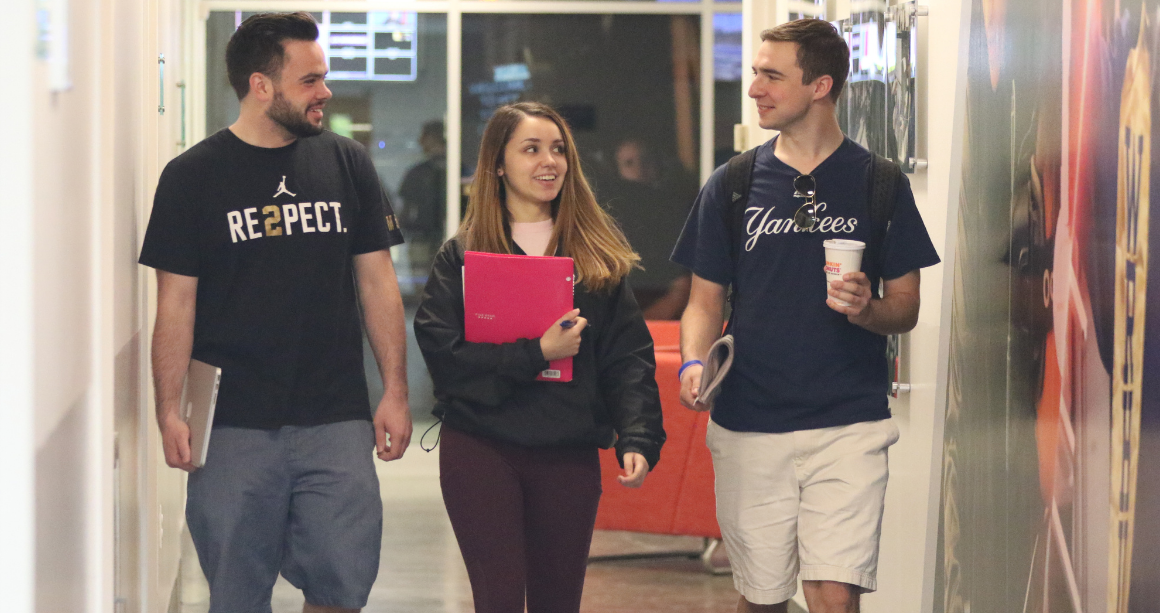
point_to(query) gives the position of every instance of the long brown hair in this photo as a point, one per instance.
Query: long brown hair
(588, 234)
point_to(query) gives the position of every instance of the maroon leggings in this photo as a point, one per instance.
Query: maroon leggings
(523, 517)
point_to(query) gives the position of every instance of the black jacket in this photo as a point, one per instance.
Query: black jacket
(490, 389)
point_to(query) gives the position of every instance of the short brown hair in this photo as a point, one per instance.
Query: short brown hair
(257, 46)
(821, 50)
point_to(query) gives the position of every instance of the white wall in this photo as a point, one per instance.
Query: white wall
(124, 144)
(910, 526)
(70, 335)
(163, 488)
(16, 315)
(71, 462)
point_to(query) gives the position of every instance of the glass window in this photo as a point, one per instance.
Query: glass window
(698, 1)
(727, 82)
(629, 87)
(803, 9)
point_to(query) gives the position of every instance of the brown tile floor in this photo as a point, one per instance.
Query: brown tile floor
(422, 572)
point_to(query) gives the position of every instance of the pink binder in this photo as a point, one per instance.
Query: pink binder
(509, 297)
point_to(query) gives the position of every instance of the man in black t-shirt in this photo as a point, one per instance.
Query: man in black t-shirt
(266, 237)
(800, 431)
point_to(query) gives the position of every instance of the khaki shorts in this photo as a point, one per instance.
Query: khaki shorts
(811, 500)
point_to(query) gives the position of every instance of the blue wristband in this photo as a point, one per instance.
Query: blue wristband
(686, 365)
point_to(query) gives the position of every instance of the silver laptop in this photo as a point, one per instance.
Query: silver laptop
(198, 399)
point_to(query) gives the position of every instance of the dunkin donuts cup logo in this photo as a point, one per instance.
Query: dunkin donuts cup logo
(842, 256)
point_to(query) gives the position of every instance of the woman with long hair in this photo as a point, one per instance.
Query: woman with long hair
(519, 466)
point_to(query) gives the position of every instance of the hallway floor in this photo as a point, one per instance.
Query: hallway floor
(421, 570)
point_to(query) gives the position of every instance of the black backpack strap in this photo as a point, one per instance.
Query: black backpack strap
(883, 181)
(738, 177)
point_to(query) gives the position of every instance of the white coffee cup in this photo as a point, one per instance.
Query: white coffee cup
(842, 256)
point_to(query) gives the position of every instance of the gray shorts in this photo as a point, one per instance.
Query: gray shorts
(303, 501)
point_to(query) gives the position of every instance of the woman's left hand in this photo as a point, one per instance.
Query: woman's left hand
(635, 470)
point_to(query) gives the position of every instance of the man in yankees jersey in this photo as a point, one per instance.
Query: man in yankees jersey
(269, 288)
(800, 430)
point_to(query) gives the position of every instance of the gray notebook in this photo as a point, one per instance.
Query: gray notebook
(198, 399)
(717, 365)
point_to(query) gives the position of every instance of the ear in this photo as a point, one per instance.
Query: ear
(261, 87)
(822, 86)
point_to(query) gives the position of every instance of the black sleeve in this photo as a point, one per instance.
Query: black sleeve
(171, 239)
(376, 228)
(628, 378)
(479, 373)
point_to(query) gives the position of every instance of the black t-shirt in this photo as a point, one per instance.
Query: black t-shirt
(798, 364)
(271, 234)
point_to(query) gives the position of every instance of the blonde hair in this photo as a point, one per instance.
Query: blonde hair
(589, 235)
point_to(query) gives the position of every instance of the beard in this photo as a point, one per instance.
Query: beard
(292, 119)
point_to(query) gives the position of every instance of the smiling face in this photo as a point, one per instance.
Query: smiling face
(782, 99)
(300, 92)
(534, 163)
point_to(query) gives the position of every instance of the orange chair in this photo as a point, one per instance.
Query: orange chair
(676, 498)
(666, 335)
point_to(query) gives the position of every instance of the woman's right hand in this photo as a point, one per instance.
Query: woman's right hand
(563, 342)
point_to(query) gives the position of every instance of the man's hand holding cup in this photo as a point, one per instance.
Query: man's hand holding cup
(847, 288)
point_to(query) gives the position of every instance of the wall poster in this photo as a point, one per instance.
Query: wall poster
(1051, 464)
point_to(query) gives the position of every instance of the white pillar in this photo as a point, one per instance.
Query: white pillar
(17, 451)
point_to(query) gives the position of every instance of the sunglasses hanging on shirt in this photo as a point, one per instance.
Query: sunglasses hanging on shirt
(806, 217)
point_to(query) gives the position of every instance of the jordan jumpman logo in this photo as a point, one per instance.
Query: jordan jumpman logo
(282, 188)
